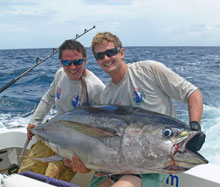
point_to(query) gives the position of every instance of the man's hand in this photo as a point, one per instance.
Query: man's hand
(76, 164)
(196, 143)
(29, 134)
(195, 126)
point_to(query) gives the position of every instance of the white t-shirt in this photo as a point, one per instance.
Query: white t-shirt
(65, 94)
(149, 85)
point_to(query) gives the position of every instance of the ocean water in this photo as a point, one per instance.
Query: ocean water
(199, 65)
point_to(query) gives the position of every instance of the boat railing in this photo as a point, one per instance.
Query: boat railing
(47, 179)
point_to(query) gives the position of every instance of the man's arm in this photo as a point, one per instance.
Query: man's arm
(195, 106)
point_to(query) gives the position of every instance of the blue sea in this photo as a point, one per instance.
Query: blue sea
(199, 65)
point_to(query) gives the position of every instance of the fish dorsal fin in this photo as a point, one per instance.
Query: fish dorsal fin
(89, 130)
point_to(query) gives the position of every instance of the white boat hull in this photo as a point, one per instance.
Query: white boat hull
(199, 176)
(16, 180)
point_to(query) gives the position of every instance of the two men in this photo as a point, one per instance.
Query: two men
(146, 84)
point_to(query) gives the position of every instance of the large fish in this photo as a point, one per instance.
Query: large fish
(122, 139)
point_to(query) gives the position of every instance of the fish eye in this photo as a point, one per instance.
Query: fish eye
(167, 132)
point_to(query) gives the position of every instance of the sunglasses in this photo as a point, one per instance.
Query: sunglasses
(109, 53)
(69, 62)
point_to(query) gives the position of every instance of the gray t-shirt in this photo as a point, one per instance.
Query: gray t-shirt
(149, 85)
(65, 94)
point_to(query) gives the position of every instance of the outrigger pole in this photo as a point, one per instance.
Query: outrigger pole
(38, 62)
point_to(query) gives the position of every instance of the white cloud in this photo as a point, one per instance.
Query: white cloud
(137, 22)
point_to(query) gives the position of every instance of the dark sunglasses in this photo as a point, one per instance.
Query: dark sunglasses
(109, 53)
(69, 62)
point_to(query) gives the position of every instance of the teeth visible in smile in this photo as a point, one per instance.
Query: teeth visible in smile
(73, 71)
(108, 64)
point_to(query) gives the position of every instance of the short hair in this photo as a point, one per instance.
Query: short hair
(73, 45)
(105, 36)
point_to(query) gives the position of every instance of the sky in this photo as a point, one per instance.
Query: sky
(47, 23)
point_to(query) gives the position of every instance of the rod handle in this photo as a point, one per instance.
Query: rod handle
(7, 85)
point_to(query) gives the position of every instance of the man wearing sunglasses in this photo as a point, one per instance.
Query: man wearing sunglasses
(65, 93)
(146, 84)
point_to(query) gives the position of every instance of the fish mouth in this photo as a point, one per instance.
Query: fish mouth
(184, 155)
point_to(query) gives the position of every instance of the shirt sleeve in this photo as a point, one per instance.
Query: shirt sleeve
(43, 108)
(171, 83)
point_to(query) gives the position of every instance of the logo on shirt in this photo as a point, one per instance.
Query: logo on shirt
(138, 96)
(75, 101)
(58, 93)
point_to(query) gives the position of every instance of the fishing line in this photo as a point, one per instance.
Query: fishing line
(38, 62)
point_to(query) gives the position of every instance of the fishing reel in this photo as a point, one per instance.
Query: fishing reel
(13, 168)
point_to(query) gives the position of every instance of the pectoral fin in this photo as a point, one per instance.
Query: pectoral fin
(48, 159)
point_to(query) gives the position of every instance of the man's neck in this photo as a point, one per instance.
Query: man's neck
(119, 75)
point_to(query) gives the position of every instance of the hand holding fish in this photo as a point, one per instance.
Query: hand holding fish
(29, 134)
(196, 144)
(76, 164)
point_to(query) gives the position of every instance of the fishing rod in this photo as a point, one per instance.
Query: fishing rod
(38, 62)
